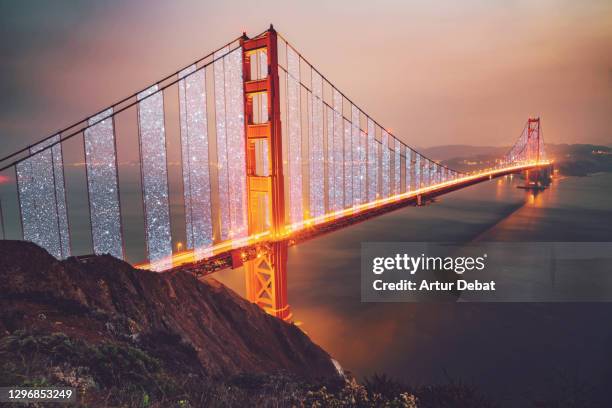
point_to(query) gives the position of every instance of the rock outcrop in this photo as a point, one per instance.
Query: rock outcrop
(185, 322)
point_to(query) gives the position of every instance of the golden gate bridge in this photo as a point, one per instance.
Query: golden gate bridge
(272, 154)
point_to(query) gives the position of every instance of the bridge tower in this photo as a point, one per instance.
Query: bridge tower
(533, 139)
(266, 275)
(536, 178)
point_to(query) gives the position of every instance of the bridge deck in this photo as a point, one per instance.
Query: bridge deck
(232, 254)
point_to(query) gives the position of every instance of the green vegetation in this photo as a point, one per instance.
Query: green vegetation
(454, 394)
(123, 375)
(118, 373)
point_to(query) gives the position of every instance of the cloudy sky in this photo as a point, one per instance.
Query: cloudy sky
(435, 72)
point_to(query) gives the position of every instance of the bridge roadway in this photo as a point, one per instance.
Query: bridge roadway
(232, 254)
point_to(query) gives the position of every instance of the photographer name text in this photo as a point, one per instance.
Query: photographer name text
(430, 286)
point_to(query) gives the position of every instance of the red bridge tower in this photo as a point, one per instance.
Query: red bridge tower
(266, 275)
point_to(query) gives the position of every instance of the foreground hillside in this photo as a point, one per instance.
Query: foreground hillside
(123, 335)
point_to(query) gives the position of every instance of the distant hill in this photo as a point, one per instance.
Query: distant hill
(570, 159)
(580, 159)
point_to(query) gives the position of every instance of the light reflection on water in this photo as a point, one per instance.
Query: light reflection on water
(530, 346)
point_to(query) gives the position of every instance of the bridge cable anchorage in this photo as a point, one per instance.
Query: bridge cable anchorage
(271, 154)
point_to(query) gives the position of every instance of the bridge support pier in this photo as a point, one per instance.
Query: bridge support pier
(266, 280)
(266, 275)
(538, 178)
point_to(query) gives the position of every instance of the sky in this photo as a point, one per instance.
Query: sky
(434, 72)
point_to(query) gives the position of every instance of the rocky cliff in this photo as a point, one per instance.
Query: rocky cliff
(179, 324)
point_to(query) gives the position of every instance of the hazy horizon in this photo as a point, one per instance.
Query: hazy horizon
(436, 74)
